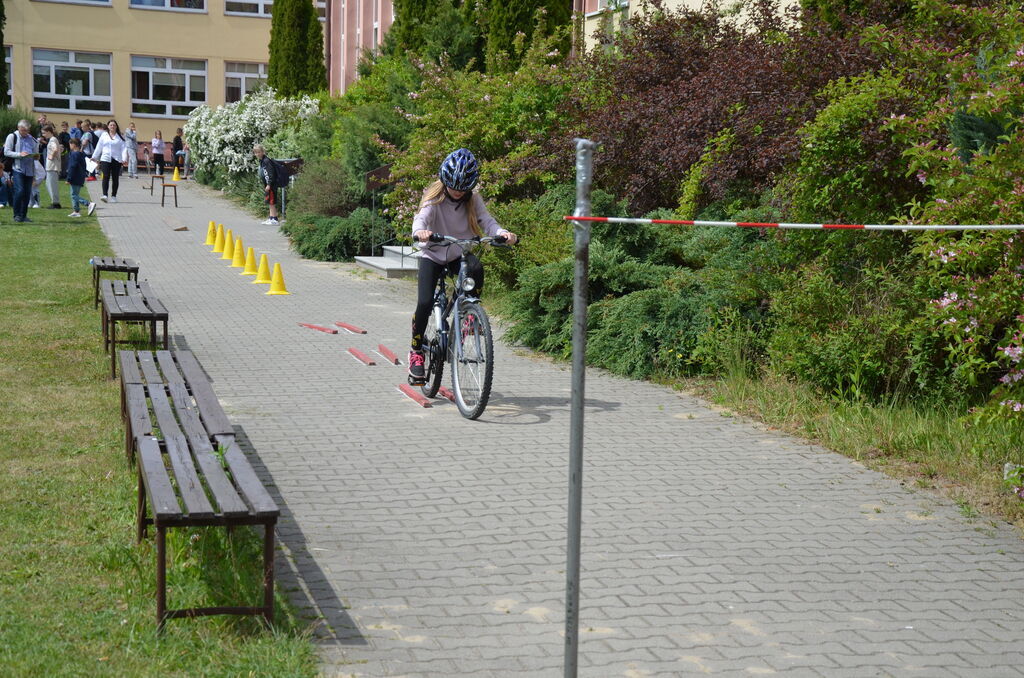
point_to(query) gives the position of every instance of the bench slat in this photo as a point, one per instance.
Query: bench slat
(138, 410)
(162, 501)
(151, 299)
(224, 494)
(210, 410)
(189, 485)
(172, 375)
(248, 483)
(149, 370)
(129, 368)
(118, 286)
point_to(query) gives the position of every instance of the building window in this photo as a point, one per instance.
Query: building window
(264, 7)
(241, 78)
(165, 87)
(10, 76)
(81, 2)
(70, 81)
(249, 7)
(184, 5)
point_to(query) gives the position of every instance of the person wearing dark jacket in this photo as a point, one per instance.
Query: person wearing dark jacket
(76, 177)
(268, 175)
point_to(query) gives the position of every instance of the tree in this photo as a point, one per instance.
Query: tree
(410, 18)
(508, 18)
(3, 71)
(296, 49)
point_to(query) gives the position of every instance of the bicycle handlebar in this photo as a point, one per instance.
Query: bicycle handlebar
(440, 238)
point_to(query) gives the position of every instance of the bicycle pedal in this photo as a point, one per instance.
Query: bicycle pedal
(417, 382)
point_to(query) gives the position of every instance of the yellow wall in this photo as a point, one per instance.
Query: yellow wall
(123, 31)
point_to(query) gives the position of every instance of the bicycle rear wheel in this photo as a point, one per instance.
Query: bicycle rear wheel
(433, 358)
(472, 357)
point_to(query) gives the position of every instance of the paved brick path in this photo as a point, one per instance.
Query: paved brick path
(433, 546)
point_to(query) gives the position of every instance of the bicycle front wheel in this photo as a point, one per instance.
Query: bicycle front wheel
(433, 358)
(472, 358)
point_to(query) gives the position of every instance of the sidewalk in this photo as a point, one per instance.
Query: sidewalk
(434, 546)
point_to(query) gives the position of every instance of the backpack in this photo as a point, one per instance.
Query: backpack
(281, 173)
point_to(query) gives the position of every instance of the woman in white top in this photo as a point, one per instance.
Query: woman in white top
(157, 146)
(132, 142)
(111, 153)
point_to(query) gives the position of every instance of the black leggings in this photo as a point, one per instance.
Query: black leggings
(111, 175)
(158, 160)
(430, 273)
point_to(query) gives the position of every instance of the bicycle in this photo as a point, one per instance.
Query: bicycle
(470, 350)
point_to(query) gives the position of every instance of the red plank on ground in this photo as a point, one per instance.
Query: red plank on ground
(414, 394)
(360, 356)
(351, 328)
(446, 392)
(388, 354)
(320, 328)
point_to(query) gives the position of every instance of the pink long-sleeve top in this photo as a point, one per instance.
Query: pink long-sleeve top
(448, 217)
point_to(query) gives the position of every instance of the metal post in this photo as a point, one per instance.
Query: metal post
(584, 170)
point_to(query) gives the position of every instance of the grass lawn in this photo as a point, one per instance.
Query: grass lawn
(78, 596)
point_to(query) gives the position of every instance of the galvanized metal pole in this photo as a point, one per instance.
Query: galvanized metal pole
(584, 171)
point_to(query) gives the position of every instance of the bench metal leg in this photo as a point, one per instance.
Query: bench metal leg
(268, 573)
(95, 287)
(161, 577)
(152, 334)
(166, 347)
(113, 346)
(140, 513)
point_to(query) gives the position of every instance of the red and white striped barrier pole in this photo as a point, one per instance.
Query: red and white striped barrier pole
(809, 227)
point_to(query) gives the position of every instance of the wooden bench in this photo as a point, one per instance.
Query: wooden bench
(114, 264)
(191, 470)
(130, 302)
(152, 181)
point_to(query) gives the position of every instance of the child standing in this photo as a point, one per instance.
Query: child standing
(51, 165)
(76, 177)
(448, 207)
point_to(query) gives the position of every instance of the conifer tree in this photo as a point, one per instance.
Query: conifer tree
(410, 18)
(507, 18)
(296, 49)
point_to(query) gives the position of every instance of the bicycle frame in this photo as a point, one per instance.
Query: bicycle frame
(451, 305)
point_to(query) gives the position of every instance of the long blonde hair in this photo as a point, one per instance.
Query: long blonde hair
(434, 194)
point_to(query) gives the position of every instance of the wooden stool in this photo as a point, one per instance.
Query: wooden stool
(163, 193)
(115, 264)
(152, 181)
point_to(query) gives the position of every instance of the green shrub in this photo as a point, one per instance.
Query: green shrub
(541, 307)
(334, 238)
(323, 188)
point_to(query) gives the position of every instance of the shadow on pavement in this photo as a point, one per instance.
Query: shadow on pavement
(530, 410)
(298, 574)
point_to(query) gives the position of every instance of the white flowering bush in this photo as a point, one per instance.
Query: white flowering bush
(223, 137)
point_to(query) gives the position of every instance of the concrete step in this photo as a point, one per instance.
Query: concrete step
(399, 252)
(390, 268)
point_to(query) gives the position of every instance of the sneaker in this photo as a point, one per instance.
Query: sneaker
(92, 208)
(416, 371)
(103, 198)
(74, 214)
(113, 198)
(35, 205)
(90, 178)
(269, 222)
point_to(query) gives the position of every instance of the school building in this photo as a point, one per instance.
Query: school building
(147, 61)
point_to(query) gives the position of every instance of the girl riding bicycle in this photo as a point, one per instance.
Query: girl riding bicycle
(448, 207)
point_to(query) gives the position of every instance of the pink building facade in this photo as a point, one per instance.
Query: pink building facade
(352, 27)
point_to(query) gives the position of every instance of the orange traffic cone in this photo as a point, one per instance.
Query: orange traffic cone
(229, 246)
(263, 274)
(250, 263)
(277, 283)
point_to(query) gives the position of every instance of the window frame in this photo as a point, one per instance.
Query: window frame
(166, 8)
(166, 103)
(228, 73)
(87, 3)
(265, 5)
(72, 99)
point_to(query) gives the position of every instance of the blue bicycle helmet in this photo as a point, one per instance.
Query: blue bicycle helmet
(460, 170)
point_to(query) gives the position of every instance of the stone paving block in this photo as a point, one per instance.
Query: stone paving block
(434, 546)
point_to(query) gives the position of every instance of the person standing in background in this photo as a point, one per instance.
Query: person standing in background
(157, 145)
(23, 149)
(131, 141)
(64, 137)
(52, 165)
